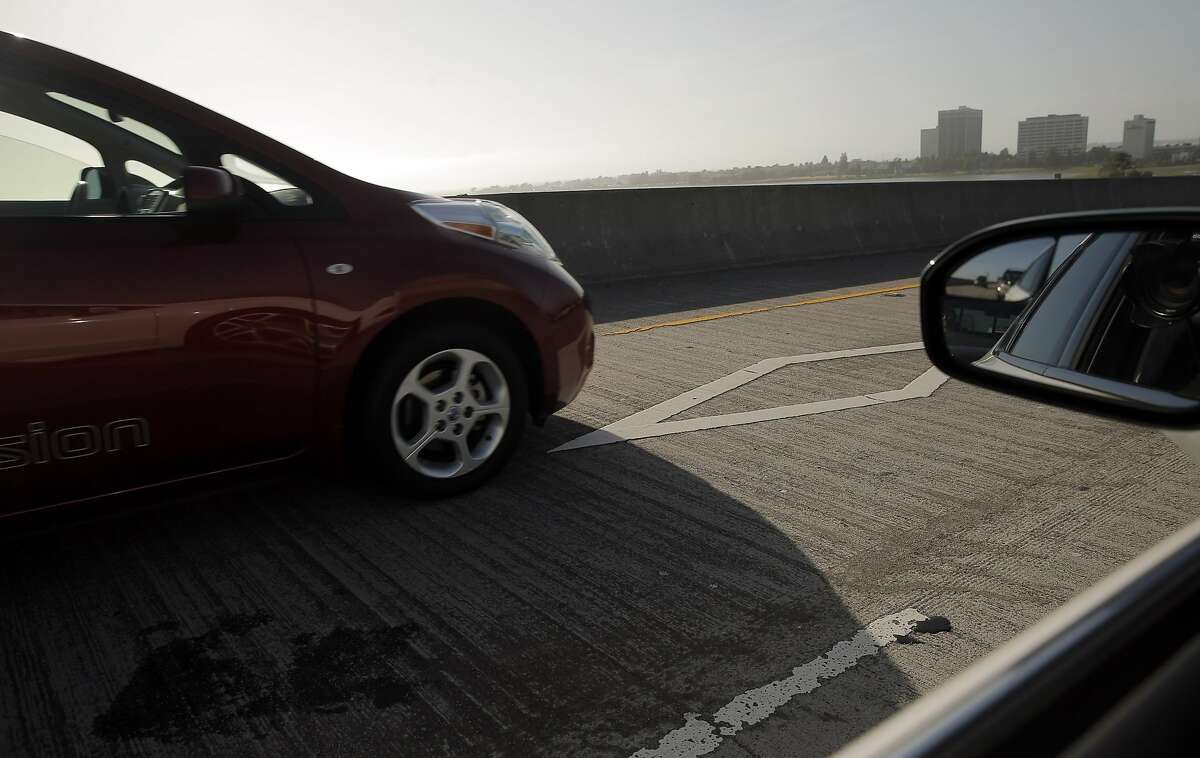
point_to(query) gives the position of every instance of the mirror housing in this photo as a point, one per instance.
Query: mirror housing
(212, 191)
(97, 184)
(1098, 312)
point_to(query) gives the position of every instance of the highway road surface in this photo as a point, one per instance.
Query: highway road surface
(764, 529)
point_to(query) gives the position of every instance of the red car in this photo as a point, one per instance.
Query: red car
(180, 296)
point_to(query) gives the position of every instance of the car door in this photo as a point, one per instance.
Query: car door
(136, 347)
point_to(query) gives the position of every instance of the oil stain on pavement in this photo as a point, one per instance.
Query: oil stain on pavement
(219, 682)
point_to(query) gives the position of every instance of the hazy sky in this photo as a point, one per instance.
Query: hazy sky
(440, 96)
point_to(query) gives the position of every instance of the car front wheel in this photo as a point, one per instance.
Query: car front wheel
(445, 410)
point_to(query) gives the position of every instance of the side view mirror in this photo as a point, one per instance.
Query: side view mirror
(212, 191)
(1094, 311)
(96, 183)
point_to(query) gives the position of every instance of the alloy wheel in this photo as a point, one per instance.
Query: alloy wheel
(450, 413)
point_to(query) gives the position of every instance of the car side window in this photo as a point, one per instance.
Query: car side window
(279, 189)
(68, 157)
(43, 166)
(132, 125)
(139, 172)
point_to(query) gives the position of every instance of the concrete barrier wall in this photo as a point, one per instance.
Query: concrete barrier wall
(607, 235)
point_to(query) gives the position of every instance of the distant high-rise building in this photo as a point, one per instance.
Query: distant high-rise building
(960, 132)
(929, 143)
(1065, 135)
(1139, 137)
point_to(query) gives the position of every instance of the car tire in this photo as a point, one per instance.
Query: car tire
(445, 410)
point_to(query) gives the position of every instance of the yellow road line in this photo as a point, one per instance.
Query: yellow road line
(764, 309)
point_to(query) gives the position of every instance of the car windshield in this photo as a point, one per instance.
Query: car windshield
(550, 378)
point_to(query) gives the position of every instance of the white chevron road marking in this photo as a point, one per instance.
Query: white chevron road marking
(653, 422)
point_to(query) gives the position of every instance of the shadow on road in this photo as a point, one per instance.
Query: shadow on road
(622, 301)
(581, 604)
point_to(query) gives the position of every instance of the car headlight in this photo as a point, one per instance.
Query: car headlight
(487, 219)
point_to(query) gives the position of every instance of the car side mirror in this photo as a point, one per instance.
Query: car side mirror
(1094, 311)
(96, 183)
(212, 191)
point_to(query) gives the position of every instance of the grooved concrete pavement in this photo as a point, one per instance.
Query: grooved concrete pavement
(586, 601)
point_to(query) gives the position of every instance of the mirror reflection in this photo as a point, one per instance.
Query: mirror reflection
(1111, 313)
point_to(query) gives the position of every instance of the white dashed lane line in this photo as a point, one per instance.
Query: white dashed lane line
(700, 736)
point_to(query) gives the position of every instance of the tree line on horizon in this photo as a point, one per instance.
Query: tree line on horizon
(1111, 162)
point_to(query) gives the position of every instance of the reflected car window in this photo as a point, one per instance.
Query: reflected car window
(1058, 313)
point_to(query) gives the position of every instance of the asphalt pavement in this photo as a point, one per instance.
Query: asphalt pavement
(753, 583)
